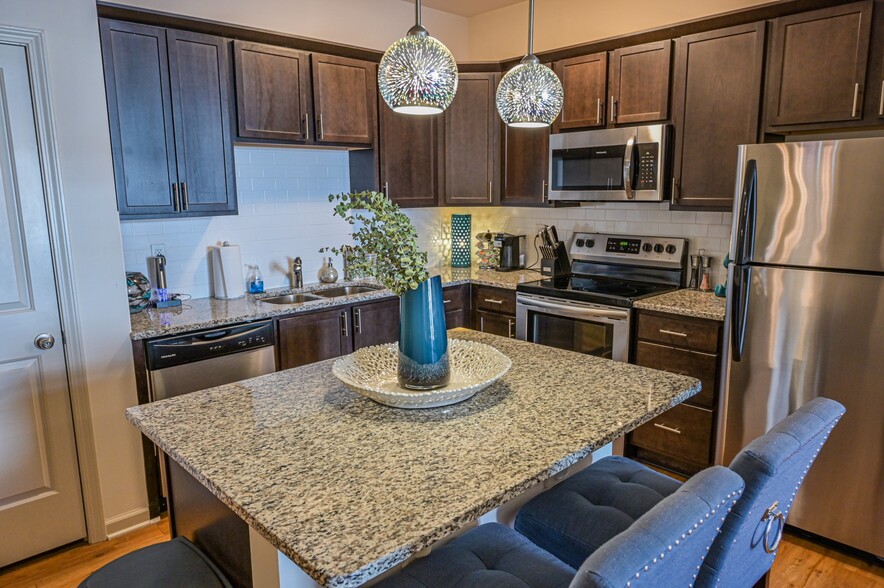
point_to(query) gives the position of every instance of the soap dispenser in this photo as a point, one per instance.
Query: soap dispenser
(256, 281)
(328, 274)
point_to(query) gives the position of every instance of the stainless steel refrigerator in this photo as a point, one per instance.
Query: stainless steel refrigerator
(806, 319)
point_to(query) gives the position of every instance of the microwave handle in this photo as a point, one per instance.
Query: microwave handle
(627, 167)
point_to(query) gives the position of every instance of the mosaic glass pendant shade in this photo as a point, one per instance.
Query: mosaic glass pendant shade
(461, 237)
(418, 74)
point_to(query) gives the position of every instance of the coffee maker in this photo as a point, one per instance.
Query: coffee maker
(512, 251)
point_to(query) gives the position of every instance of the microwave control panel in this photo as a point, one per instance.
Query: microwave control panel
(648, 161)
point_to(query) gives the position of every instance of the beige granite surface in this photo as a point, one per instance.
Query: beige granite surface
(204, 313)
(687, 303)
(348, 488)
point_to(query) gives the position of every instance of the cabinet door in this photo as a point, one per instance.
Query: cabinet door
(345, 99)
(638, 83)
(471, 125)
(817, 65)
(376, 323)
(136, 72)
(496, 324)
(525, 166)
(313, 337)
(199, 71)
(272, 92)
(717, 100)
(409, 158)
(583, 79)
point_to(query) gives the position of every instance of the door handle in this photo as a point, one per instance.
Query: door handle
(509, 328)
(598, 111)
(613, 108)
(357, 320)
(543, 191)
(44, 341)
(185, 201)
(387, 189)
(306, 127)
(344, 331)
(320, 131)
(855, 100)
(490, 192)
(674, 195)
(881, 104)
(176, 199)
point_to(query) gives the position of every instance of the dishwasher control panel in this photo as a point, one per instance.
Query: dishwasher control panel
(172, 351)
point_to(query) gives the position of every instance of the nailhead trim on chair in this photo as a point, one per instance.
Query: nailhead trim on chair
(691, 530)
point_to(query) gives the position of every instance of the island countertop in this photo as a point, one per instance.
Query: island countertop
(347, 488)
(204, 313)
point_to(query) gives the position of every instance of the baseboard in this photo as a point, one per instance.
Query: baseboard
(127, 522)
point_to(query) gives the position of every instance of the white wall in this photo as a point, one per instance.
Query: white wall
(80, 113)
(284, 213)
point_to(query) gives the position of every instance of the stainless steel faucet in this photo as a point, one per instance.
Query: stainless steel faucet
(297, 275)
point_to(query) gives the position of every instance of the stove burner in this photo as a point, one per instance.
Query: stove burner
(602, 289)
(611, 287)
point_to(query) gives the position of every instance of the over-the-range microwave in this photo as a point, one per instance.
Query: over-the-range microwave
(627, 163)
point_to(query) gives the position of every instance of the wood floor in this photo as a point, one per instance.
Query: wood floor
(800, 564)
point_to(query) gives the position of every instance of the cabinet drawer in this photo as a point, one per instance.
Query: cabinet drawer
(496, 324)
(454, 298)
(455, 319)
(682, 361)
(683, 431)
(495, 299)
(694, 334)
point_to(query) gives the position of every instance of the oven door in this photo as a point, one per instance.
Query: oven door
(575, 326)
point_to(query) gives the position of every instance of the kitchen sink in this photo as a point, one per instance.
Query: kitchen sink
(345, 291)
(290, 299)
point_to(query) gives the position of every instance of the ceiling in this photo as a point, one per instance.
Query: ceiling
(466, 7)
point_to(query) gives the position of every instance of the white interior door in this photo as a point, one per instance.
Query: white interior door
(41, 506)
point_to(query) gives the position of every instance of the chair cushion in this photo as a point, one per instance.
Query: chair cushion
(174, 564)
(491, 556)
(576, 517)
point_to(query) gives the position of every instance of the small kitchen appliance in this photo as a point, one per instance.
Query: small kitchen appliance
(164, 299)
(512, 251)
(590, 309)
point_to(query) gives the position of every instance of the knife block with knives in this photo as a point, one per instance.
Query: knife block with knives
(554, 259)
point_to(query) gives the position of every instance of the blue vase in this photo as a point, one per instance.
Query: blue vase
(423, 337)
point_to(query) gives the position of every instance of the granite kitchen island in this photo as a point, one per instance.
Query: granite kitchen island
(346, 488)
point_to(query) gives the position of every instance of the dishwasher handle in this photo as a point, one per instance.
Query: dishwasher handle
(172, 351)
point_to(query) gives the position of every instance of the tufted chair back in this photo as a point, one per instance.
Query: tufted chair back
(773, 466)
(666, 545)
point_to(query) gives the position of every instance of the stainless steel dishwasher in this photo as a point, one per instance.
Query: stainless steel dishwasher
(196, 361)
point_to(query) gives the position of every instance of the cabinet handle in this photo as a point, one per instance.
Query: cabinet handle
(490, 190)
(306, 127)
(613, 103)
(176, 200)
(357, 320)
(320, 131)
(881, 104)
(674, 195)
(185, 201)
(669, 429)
(344, 324)
(673, 333)
(598, 111)
(493, 301)
(509, 328)
(387, 189)
(446, 302)
(481, 323)
(543, 191)
(855, 100)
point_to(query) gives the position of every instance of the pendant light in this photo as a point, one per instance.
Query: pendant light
(530, 94)
(418, 74)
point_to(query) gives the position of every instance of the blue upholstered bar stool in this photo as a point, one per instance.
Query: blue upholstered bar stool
(173, 564)
(575, 518)
(665, 547)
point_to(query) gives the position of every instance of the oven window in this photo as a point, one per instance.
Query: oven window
(595, 168)
(572, 334)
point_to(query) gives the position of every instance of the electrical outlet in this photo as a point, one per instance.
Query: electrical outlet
(157, 249)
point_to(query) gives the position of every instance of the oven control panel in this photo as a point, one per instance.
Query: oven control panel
(602, 247)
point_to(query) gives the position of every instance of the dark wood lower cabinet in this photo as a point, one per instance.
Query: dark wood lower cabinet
(496, 324)
(308, 338)
(375, 323)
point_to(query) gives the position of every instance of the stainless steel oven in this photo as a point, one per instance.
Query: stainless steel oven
(594, 329)
(627, 163)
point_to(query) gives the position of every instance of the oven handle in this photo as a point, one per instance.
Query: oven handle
(575, 309)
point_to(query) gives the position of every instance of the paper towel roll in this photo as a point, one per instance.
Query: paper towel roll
(227, 270)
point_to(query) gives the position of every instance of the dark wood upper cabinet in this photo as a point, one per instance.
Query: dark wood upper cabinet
(375, 323)
(345, 99)
(409, 158)
(717, 94)
(817, 65)
(583, 80)
(471, 133)
(638, 83)
(199, 68)
(272, 92)
(525, 162)
(168, 97)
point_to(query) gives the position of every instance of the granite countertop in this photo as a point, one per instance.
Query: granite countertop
(204, 313)
(687, 303)
(347, 488)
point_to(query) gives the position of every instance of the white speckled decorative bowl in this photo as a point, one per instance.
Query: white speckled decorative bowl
(371, 372)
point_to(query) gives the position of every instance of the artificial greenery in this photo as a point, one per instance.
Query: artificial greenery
(385, 232)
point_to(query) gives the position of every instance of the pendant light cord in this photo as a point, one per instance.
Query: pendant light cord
(530, 26)
(417, 12)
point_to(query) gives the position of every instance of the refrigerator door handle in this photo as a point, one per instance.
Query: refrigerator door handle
(739, 309)
(745, 237)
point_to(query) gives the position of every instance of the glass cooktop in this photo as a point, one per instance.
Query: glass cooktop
(600, 289)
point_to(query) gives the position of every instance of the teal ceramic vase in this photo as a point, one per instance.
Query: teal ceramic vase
(423, 338)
